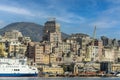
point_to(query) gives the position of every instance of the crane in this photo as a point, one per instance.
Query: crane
(89, 51)
(94, 35)
(92, 46)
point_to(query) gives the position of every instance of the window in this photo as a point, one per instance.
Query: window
(16, 69)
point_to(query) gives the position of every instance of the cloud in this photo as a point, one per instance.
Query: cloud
(59, 10)
(70, 18)
(61, 15)
(114, 1)
(105, 23)
(108, 18)
(15, 10)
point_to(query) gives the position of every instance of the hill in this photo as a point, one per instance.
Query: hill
(33, 30)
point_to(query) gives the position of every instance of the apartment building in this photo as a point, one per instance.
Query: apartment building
(12, 34)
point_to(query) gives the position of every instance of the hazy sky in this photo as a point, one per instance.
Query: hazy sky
(74, 16)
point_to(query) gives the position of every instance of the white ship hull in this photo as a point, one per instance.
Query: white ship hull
(16, 68)
(18, 75)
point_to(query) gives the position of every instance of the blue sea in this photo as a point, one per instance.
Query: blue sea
(65, 78)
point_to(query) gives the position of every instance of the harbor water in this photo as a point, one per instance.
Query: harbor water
(64, 78)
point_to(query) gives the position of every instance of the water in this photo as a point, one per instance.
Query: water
(71, 78)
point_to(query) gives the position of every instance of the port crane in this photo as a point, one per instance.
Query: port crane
(92, 46)
(89, 54)
(89, 57)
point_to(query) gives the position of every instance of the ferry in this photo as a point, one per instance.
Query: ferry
(16, 68)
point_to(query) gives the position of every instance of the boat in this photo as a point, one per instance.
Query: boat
(16, 68)
(117, 75)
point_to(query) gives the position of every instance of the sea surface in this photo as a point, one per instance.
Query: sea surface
(65, 78)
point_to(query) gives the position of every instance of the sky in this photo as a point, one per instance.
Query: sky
(74, 16)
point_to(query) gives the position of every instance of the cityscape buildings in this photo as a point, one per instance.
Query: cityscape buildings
(77, 53)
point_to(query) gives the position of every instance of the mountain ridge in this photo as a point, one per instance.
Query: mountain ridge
(29, 29)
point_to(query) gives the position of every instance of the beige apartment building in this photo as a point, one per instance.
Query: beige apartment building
(47, 48)
(55, 37)
(94, 52)
(41, 59)
(39, 52)
(17, 47)
(54, 70)
(14, 46)
(13, 34)
(108, 54)
(115, 67)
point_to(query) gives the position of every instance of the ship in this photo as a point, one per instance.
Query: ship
(12, 67)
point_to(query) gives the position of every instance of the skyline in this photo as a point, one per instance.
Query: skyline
(74, 16)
